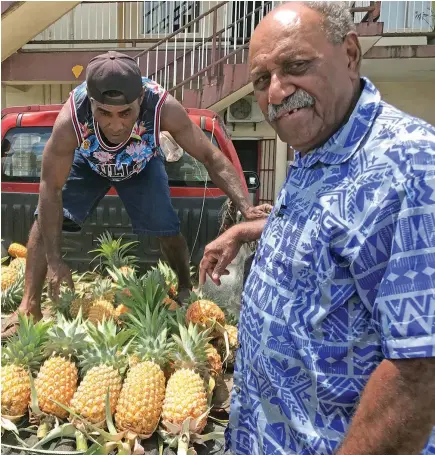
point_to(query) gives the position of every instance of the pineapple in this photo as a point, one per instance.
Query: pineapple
(140, 404)
(16, 250)
(119, 311)
(142, 395)
(9, 275)
(12, 295)
(214, 360)
(18, 263)
(232, 332)
(83, 303)
(22, 355)
(114, 254)
(186, 394)
(102, 303)
(70, 303)
(204, 313)
(57, 378)
(172, 304)
(103, 365)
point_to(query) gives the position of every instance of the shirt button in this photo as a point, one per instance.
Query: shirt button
(237, 389)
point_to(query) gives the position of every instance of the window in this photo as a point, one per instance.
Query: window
(188, 171)
(167, 17)
(22, 153)
(22, 159)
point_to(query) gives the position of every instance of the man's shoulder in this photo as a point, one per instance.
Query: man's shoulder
(152, 88)
(405, 141)
(403, 127)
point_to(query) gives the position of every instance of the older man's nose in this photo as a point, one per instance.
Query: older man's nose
(279, 89)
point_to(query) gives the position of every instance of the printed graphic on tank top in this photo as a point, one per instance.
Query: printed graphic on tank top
(122, 161)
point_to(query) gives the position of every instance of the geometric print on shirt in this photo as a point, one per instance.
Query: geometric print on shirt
(343, 277)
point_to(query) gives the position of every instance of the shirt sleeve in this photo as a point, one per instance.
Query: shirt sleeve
(404, 308)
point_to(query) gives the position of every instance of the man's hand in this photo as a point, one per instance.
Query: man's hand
(58, 273)
(258, 212)
(217, 255)
(221, 252)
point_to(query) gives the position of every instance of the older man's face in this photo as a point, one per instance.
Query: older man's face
(303, 83)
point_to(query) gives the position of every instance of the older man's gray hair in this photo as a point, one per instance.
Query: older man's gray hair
(337, 19)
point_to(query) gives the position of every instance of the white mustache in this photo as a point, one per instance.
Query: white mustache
(297, 100)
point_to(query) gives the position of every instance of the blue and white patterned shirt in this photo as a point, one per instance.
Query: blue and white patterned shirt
(344, 277)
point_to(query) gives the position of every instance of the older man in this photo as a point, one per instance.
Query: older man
(337, 329)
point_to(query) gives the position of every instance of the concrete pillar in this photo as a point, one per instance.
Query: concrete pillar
(280, 165)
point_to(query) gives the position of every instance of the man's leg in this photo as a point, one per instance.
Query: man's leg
(176, 253)
(147, 199)
(81, 193)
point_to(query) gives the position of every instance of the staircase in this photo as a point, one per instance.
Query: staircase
(22, 21)
(211, 70)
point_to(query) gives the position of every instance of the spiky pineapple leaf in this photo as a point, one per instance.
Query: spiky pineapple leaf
(12, 296)
(190, 348)
(25, 347)
(113, 252)
(66, 338)
(106, 345)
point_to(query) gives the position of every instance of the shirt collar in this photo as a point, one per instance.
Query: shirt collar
(346, 141)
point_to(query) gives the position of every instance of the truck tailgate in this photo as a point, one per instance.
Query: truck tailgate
(17, 217)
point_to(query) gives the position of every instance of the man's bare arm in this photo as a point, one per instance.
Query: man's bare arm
(191, 138)
(397, 410)
(56, 164)
(221, 252)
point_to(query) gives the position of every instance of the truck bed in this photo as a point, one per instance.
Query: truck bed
(17, 217)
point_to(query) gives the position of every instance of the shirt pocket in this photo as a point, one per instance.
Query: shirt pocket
(294, 237)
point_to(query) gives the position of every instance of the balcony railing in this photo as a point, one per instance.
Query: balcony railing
(140, 24)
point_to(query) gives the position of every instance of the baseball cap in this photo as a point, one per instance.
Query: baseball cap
(113, 71)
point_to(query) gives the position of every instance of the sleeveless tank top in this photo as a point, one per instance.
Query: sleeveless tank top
(124, 160)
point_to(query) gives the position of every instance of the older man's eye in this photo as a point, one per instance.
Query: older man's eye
(261, 81)
(295, 67)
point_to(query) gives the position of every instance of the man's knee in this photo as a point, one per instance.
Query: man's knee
(170, 240)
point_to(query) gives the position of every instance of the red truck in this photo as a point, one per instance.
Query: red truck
(198, 202)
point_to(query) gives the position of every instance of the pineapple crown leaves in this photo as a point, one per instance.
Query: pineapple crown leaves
(168, 273)
(149, 323)
(148, 291)
(102, 287)
(25, 347)
(106, 334)
(191, 347)
(230, 317)
(157, 349)
(66, 338)
(63, 304)
(122, 278)
(106, 346)
(194, 296)
(112, 252)
(177, 319)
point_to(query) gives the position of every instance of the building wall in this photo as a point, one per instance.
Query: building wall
(415, 98)
(23, 95)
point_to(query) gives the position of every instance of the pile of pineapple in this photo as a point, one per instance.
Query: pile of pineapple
(119, 361)
(12, 277)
